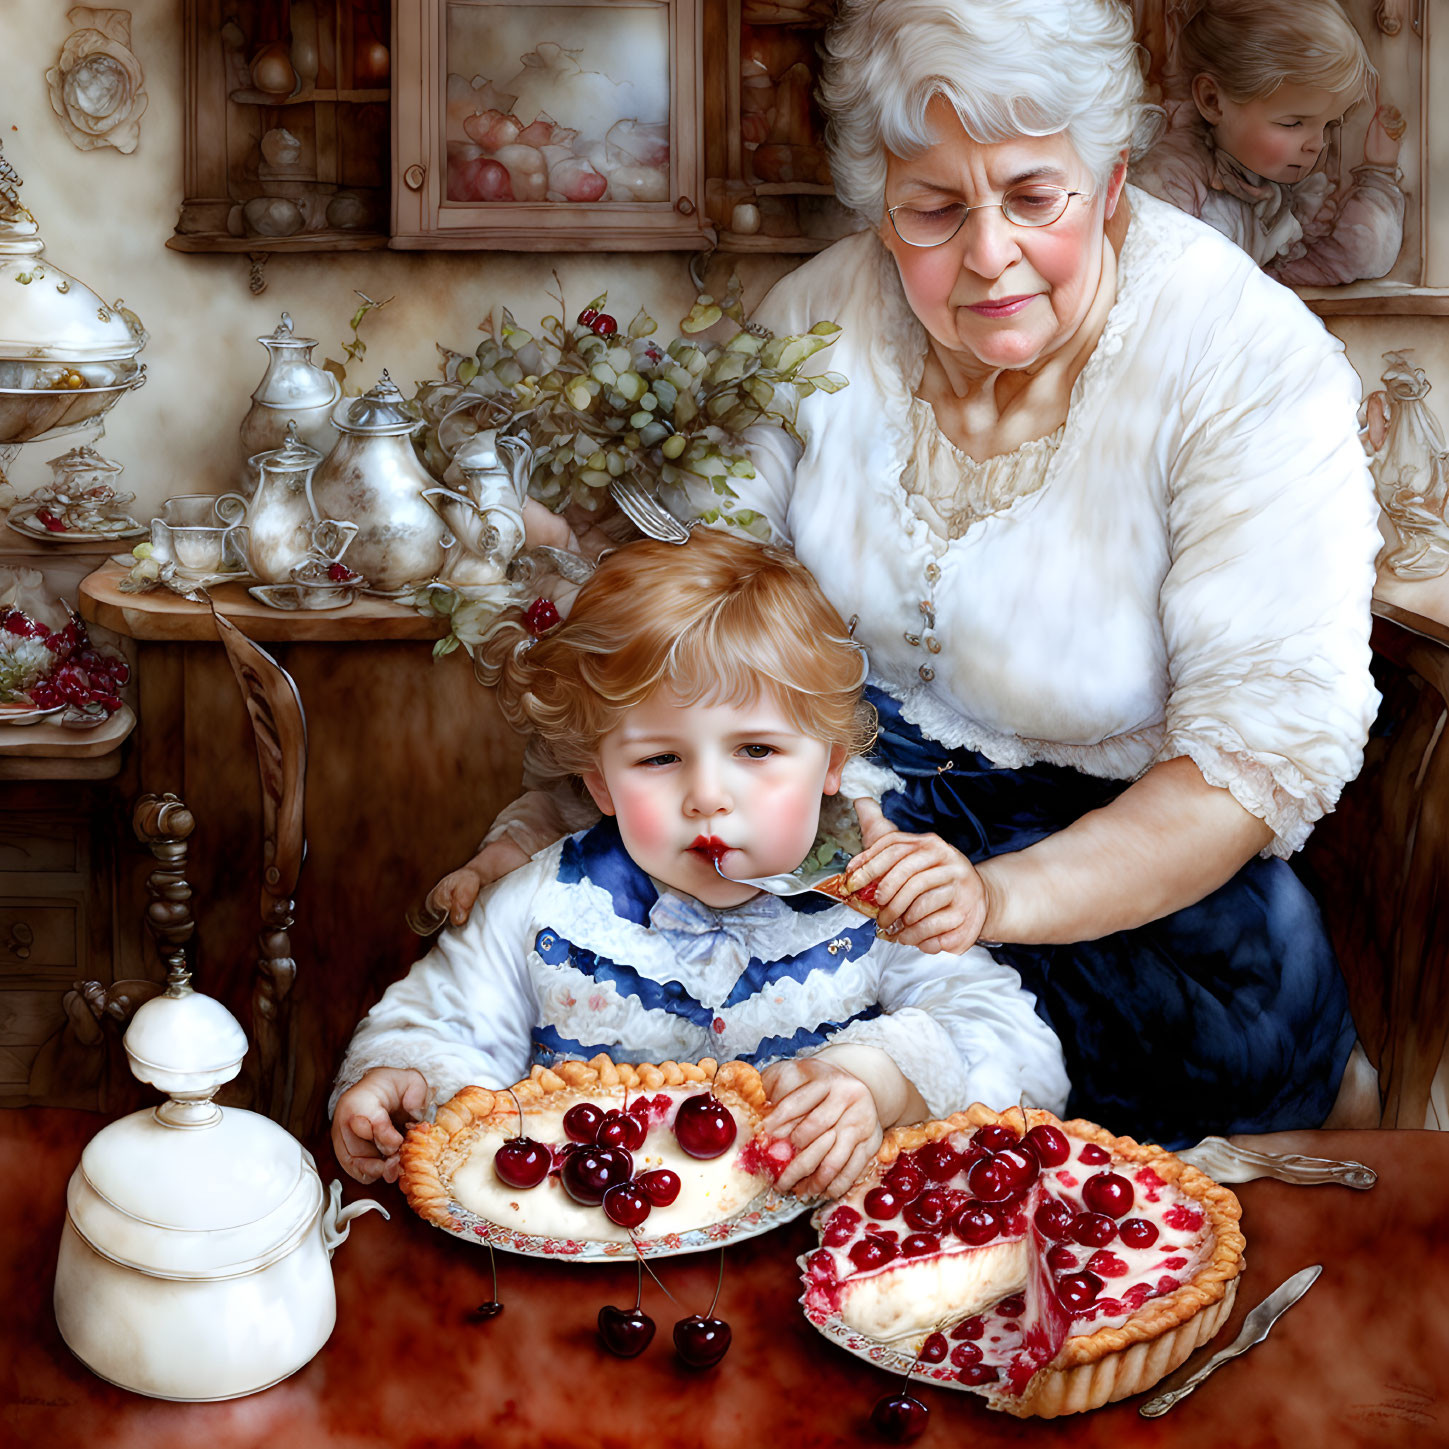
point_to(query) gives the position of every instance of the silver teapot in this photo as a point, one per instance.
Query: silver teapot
(373, 477)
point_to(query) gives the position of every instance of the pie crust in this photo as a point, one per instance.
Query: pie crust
(433, 1153)
(1091, 1368)
(862, 901)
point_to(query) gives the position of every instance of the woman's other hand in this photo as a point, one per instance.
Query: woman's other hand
(829, 1116)
(935, 893)
(455, 893)
(365, 1132)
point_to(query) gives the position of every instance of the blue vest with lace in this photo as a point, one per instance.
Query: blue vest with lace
(599, 858)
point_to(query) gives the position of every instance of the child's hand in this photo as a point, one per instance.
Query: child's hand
(829, 1116)
(927, 885)
(365, 1136)
(455, 893)
(1386, 130)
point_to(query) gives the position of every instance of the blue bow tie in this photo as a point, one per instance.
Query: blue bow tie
(690, 925)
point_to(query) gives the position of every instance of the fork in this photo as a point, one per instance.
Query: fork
(646, 512)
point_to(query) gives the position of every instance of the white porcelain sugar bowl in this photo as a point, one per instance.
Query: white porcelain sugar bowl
(195, 1261)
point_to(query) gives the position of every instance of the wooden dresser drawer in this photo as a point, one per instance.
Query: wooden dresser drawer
(33, 846)
(27, 1019)
(34, 937)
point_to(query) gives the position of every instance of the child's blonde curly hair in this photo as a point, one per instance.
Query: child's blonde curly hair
(718, 618)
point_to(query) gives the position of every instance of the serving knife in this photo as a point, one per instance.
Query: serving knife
(1255, 1330)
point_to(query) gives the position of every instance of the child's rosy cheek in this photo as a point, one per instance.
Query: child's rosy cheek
(643, 817)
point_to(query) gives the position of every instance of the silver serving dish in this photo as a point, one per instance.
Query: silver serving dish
(66, 356)
(30, 413)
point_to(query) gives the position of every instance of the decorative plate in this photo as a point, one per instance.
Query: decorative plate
(125, 527)
(769, 1210)
(29, 715)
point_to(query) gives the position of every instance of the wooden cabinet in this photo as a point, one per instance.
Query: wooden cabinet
(286, 126)
(555, 127)
(56, 927)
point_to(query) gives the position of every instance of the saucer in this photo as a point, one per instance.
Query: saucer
(296, 597)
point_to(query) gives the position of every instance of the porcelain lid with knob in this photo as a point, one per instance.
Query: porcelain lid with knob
(45, 313)
(188, 1188)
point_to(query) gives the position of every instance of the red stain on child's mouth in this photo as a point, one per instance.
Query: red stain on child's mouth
(711, 847)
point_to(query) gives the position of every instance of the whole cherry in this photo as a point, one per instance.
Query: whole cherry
(1109, 1193)
(660, 1186)
(929, 1212)
(1053, 1219)
(613, 1129)
(1078, 1291)
(1050, 1144)
(899, 1418)
(702, 1340)
(581, 1121)
(603, 325)
(994, 1137)
(976, 1223)
(627, 1332)
(881, 1203)
(704, 1126)
(521, 1162)
(589, 1172)
(1092, 1230)
(904, 1179)
(627, 1204)
(1137, 1232)
(939, 1161)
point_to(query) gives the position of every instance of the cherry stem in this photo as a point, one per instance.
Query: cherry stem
(639, 1291)
(639, 1258)
(493, 1263)
(519, 1105)
(719, 1283)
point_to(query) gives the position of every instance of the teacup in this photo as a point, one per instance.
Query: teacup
(201, 534)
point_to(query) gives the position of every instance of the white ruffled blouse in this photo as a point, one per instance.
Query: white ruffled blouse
(520, 977)
(1184, 569)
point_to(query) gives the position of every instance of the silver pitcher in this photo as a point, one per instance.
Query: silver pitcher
(483, 508)
(281, 515)
(293, 389)
(373, 476)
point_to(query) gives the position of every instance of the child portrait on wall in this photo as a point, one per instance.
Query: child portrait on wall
(1268, 83)
(707, 696)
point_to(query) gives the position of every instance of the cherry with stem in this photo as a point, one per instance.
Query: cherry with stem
(900, 1418)
(702, 1340)
(491, 1308)
(627, 1332)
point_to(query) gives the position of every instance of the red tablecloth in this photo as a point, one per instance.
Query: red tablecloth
(1362, 1360)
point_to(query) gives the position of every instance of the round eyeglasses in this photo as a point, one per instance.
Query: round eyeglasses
(1033, 204)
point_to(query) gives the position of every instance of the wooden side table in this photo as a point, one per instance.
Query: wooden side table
(405, 760)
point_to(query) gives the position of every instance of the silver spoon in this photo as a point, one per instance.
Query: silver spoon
(793, 883)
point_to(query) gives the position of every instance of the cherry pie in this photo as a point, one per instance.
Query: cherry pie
(604, 1151)
(1047, 1265)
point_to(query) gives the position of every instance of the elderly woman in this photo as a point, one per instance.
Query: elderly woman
(1095, 500)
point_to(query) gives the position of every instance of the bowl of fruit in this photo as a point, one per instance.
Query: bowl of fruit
(56, 674)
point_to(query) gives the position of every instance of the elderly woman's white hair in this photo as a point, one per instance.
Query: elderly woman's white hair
(1009, 68)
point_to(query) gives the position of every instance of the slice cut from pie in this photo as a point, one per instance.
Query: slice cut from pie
(862, 900)
(1047, 1265)
(597, 1151)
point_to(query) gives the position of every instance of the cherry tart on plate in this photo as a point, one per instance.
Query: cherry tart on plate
(597, 1153)
(1046, 1265)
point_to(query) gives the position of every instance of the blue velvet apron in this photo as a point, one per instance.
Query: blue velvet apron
(1229, 1016)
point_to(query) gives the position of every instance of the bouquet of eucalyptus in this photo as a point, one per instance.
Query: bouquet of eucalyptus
(596, 403)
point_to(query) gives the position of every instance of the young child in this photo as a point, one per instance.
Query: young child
(708, 696)
(1268, 79)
